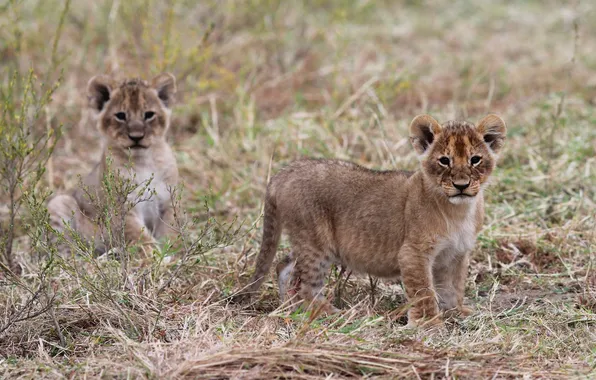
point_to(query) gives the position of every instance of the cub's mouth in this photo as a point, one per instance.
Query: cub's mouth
(137, 146)
(462, 198)
(462, 195)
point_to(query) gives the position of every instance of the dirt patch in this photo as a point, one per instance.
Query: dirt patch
(587, 299)
(537, 257)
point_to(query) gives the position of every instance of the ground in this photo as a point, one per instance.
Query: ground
(264, 82)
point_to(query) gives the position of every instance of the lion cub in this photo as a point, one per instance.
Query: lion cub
(420, 226)
(133, 116)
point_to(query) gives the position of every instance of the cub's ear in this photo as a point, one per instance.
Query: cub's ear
(493, 131)
(165, 84)
(99, 89)
(423, 130)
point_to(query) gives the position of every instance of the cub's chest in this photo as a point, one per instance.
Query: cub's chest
(154, 184)
(155, 198)
(460, 236)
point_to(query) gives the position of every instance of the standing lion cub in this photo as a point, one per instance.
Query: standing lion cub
(420, 226)
(133, 117)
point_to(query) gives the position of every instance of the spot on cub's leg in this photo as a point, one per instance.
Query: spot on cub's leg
(310, 271)
(285, 278)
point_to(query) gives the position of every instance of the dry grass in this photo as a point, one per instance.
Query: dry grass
(264, 82)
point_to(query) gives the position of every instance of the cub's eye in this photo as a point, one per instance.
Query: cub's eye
(149, 115)
(444, 161)
(475, 160)
(120, 116)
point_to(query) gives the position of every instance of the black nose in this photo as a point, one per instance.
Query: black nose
(460, 186)
(136, 138)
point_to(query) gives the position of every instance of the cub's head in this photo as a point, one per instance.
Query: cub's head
(458, 157)
(133, 113)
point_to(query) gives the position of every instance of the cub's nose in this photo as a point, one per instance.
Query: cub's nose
(461, 185)
(136, 136)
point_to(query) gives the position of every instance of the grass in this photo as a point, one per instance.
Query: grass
(264, 82)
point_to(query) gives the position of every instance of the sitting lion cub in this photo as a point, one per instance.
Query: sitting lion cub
(420, 226)
(133, 117)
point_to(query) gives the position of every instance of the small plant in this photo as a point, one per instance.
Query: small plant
(25, 147)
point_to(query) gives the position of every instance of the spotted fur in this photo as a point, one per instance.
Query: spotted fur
(420, 226)
(133, 117)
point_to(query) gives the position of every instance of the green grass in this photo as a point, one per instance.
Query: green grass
(264, 82)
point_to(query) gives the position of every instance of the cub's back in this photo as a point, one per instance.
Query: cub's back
(333, 186)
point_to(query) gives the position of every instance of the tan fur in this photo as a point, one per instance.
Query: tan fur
(137, 141)
(418, 225)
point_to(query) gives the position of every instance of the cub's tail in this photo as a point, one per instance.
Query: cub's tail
(271, 235)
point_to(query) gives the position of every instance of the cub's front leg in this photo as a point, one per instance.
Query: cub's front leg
(450, 270)
(416, 269)
(136, 231)
(459, 283)
(165, 223)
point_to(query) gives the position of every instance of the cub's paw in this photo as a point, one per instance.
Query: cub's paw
(465, 311)
(426, 323)
(460, 312)
(115, 253)
(321, 307)
(148, 246)
(327, 308)
(417, 318)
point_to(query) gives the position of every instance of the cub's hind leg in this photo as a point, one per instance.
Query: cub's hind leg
(64, 212)
(67, 218)
(285, 277)
(311, 268)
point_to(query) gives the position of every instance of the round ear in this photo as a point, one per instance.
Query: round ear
(165, 84)
(99, 89)
(423, 130)
(493, 131)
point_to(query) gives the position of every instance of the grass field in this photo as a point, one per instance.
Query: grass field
(263, 82)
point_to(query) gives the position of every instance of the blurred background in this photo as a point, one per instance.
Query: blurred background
(328, 78)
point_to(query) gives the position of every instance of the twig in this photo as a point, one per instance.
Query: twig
(373, 287)
(57, 326)
(355, 97)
